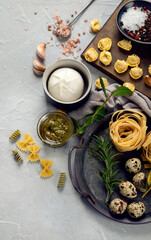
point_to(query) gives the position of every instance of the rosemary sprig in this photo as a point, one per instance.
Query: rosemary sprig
(101, 110)
(102, 151)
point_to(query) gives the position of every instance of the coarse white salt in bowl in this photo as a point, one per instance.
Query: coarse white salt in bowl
(132, 19)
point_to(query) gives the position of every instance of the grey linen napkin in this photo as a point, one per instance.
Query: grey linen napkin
(136, 101)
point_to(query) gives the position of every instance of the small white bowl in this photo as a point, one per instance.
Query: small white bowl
(76, 65)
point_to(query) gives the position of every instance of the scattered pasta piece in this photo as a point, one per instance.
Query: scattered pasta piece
(149, 69)
(61, 180)
(22, 145)
(33, 157)
(105, 58)
(91, 55)
(133, 60)
(15, 135)
(17, 156)
(121, 66)
(128, 130)
(147, 148)
(129, 85)
(98, 84)
(95, 25)
(125, 44)
(46, 172)
(136, 72)
(105, 44)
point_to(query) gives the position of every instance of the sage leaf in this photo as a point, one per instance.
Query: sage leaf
(122, 91)
(103, 87)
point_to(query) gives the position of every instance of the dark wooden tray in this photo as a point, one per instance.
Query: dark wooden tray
(143, 51)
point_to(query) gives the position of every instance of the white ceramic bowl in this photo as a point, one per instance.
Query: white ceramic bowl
(76, 65)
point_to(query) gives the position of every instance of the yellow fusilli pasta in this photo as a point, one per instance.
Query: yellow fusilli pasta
(14, 135)
(22, 145)
(17, 156)
(61, 180)
(46, 164)
(33, 157)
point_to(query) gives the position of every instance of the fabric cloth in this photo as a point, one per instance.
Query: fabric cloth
(136, 101)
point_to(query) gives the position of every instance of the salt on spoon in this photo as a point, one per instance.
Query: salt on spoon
(65, 30)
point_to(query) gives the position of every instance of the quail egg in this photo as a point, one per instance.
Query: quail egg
(133, 165)
(118, 206)
(139, 180)
(136, 209)
(127, 189)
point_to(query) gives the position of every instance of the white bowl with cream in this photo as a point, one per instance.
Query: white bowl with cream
(67, 83)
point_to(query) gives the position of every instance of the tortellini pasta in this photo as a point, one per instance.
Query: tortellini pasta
(105, 57)
(125, 44)
(121, 66)
(95, 25)
(149, 69)
(129, 85)
(133, 60)
(136, 72)
(105, 44)
(98, 85)
(91, 55)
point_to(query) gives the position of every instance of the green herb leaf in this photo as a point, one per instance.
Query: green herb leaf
(88, 121)
(101, 111)
(103, 87)
(122, 91)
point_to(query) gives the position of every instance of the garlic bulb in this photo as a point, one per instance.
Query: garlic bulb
(38, 68)
(40, 50)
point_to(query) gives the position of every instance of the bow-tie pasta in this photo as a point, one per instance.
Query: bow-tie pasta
(121, 66)
(33, 157)
(105, 44)
(105, 58)
(91, 55)
(133, 60)
(46, 172)
(125, 44)
(136, 72)
(22, 145)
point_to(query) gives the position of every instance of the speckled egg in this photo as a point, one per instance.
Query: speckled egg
(139, 180)
(136, 209)
(118, 206)
(127, 189)
(133, 165)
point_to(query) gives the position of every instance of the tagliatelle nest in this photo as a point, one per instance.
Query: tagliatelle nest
(128, 130)
(147, 148)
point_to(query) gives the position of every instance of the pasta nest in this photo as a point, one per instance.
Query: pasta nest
(128, 130)
(147, 148)
(91, 55)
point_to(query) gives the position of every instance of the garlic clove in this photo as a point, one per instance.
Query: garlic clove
(147, 80)
(38, 68)
(40, 50)
(38, 72)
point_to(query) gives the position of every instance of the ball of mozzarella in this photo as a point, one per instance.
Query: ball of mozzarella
(66, 84)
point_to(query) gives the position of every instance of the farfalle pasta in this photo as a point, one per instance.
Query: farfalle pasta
(33, 157)
(147, 148)
(22, 145)
(128, 130)
(46, 164)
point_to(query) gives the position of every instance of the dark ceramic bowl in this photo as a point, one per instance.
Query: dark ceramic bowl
(86, 75)
(123, 10)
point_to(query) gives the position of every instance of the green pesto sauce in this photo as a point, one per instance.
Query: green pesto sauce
(56, 128)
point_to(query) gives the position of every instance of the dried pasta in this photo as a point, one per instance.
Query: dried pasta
(147, 148)
(33, 157)
(128, 130)
(61, 179)
(46, 164)
(95, 25)
(15, 135)
(17, 156)
(22, 145)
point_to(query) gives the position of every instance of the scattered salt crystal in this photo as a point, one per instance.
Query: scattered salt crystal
(79, 34)
(133, 19)
(59, 58)
(26, 28)
(85, 20)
